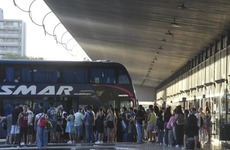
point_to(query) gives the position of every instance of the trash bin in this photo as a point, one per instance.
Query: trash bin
(225, 132)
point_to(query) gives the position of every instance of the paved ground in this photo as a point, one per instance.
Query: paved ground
(111, 146)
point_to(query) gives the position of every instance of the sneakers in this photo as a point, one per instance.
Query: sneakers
(140, 142)
(69, 142)
(22, 143)
(99, 142)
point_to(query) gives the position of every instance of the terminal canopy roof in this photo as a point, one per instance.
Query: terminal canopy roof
(152, 38)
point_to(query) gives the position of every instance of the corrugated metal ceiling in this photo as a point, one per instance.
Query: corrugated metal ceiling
(152, 38)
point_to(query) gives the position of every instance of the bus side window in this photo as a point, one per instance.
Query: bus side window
(123, 78)
(9, 74)
(95, 75)
(26, 75)
(78, 75)
(45, 75)
(110, 76)
(102, 76)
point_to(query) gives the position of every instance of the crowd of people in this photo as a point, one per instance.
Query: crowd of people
(155, 124)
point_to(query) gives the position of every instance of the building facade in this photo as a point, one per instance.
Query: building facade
(204, 82)
(12, 36)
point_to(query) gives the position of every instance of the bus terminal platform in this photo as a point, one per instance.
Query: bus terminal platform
(214, 145)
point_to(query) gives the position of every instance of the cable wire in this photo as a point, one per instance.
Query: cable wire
(64, 44)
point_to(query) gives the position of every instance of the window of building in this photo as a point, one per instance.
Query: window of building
(15, 24)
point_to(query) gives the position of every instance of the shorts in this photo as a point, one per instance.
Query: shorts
(14, 129)
(150, 127)
(30, 130)
(70, 128)
(54, 126)
(59, 128)
(9, 131)
(78, 131)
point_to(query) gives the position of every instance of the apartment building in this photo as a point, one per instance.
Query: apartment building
(12, 36)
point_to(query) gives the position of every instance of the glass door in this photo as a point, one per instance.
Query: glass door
(227, 97)
(214, 105)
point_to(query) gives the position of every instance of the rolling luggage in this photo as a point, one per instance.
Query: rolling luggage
(198, 144)
(190, 144)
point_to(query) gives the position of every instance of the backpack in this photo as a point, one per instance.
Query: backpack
(191, 127)
(43, 121)
(140, 116)
(152, 117)
(52, 114)
(160, 123)
(4, 124)
(192, 120)
(23, 121)
(190, 143)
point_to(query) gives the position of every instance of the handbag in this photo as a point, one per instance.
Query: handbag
(49, 125)
(4, 124)
(123, 124)
(105, 123)
(110, 124)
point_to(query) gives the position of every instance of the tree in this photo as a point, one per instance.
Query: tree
(16, 56)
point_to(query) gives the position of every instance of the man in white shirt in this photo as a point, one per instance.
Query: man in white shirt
(30, 127)
(78, 123)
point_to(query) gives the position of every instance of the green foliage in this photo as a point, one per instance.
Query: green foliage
(16, 56)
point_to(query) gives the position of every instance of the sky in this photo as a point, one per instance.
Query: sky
(39, 44)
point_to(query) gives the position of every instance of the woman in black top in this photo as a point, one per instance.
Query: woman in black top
(100, 117)
(60, 130)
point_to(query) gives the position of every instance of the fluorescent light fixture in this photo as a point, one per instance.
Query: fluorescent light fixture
(123, 95)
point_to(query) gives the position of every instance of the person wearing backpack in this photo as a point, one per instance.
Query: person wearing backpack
(124, 124)
(140, 118)
(23, 126)
(52, 114)
(160, 126)
(191, 131)
(130, 116)
(179, 126)
(89, 122)
(110, 119)
(40, 128)
(151, 125)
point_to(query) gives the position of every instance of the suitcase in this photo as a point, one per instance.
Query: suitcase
(198, 145)
(190, 143)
